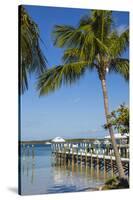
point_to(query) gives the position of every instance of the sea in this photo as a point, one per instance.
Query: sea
(40, 174)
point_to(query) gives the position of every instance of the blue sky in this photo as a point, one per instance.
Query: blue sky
(75, 111)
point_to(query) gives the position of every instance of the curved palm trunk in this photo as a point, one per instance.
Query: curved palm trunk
(116, 152)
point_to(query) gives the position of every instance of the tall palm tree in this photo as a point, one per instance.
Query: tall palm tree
(32, 59)
(94, 44)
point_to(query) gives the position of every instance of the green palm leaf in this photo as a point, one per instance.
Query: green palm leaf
(94, 41)
(55, 77)
(121, 66)
(32, 59)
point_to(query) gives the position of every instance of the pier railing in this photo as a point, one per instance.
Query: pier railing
(96, 157)
(88, 148)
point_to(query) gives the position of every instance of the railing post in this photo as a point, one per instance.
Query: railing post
(81, 158)
(127, 152)
(111, 162)
(91, 159)
(77, 157)
(33, 151)
(97, 163)
(104, 162)
(28, 150)
(86, 156)
(64, 154)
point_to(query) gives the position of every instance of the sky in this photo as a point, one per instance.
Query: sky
(70, 112)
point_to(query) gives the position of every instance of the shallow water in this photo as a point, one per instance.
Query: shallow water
(41, 175)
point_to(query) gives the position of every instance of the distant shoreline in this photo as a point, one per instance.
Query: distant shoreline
(66, 140)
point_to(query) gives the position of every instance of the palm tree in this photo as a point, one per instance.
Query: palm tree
(32, 59)
(94, 44)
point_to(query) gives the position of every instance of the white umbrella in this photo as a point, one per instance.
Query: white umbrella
(58, 139)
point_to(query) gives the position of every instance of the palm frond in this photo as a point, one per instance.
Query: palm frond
(32, 58)
(23, 80)
(55, 77)
(117, 44)
(67, 36)
(85, 20)
(121, 66)
(102, 23)
(124, 40)
(71, 55)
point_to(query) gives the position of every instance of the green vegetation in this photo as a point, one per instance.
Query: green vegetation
(35, 142)
(95, 44)
(32, 59)
(119, 119)
(81, 140)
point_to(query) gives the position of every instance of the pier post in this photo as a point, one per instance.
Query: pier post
(33, 165)
(28, 150)
(127, 153)
(81, 158)
(104, 163)
(86, 156)
(23, 152)
(97, 164)
(72, 157)
(91, 163)
(77, 157)
(33, 155)
(91, 159)
(69, 156)
(111, 163)
(64, 155)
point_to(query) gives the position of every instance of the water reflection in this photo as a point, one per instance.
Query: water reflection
(28, 162)
(41, 173)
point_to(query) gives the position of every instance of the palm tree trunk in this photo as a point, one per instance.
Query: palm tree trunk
(116, 152)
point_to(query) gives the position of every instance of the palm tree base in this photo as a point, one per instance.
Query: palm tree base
(116, 183)
(123, 182)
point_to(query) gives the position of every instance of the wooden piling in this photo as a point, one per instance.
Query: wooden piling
(86, 157)
(93, 157)
(81, 158)
(111, 163)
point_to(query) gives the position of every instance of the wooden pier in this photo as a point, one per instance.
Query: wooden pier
(95, 158)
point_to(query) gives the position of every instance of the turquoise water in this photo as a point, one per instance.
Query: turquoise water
(40, 174)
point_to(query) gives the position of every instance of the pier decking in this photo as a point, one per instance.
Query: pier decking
(96, 158)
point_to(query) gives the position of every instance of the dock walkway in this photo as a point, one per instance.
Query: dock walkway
(99, 159)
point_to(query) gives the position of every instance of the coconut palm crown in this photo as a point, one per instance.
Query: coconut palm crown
(93, 44)
(32, 59)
